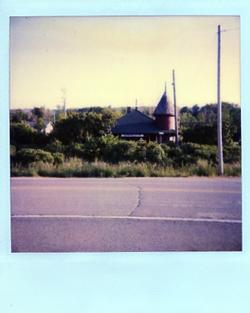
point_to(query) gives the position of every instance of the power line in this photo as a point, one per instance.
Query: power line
(229, 29)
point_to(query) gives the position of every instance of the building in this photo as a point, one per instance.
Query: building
(48, 128)
(135, 124)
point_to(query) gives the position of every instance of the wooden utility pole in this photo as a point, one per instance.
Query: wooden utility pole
(175, 111)
(219, 111)
(64, 101)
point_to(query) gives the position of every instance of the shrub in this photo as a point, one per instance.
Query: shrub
(233, 169)
(58, 158)
(114, 150)
(154, 153)
(55, 146)
(75, 150)
(12, 151)
(140, 154)
(206, 152)
(90, 150)
(179, 158)
(26, 156)
(129, 169)
(203, 168)
(232, 153)
(125, 150)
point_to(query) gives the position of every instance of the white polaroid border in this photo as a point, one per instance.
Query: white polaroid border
(122, 282)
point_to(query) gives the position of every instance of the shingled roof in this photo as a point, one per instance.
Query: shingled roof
(164, 106)
(136, 122)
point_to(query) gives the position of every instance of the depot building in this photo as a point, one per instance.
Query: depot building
(135, 124)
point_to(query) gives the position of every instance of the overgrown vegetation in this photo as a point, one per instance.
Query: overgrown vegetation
(79, 168)
(82, 145)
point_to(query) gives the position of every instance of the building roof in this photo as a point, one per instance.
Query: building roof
(134, 117)
(136, 122)
(164, 106)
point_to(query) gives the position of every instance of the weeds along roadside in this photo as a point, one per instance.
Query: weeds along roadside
(78, 168)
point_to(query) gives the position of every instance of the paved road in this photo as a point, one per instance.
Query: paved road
(126, 214)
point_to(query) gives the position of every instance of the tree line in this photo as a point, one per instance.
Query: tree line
(86, 135)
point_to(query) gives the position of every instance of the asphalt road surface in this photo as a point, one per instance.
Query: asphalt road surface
(126, 214)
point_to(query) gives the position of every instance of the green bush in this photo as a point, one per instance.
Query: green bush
(232, 153)
(113, 150)
(126, 150)
(55, 146)
(233, 169)
(75, 150)
(206, 152)
(26, 156)
(58, 158)
(155, 153)
(12, 151)
(203, 168)
(91, 150)
(140, 154)
(19, 171)
(179, 158)
(129, 169)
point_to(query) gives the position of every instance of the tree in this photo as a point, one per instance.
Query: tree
(40, 124)
(38, 112)
(231, 123)
(200, 124)
(200, 133)
(70, 130)
(18, 116)
(195, 110)
(81, 127)
(21, 134)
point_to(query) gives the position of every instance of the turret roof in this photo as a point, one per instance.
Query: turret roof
(164, 107)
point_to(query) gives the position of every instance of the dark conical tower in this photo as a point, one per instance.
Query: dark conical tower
(164, 116)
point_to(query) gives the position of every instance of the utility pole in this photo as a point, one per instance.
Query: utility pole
(175, 111)
(219, 111)
(63, 90)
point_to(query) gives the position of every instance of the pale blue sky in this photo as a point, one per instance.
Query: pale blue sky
(114, 60)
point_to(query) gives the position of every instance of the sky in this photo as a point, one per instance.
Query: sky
(112, 61)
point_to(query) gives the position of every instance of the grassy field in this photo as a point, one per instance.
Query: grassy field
(78, 168)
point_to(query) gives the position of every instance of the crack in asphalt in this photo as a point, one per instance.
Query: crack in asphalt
(139, 199)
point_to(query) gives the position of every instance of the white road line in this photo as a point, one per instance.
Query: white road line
(142, 218)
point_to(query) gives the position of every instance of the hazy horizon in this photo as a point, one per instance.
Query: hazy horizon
(112, 61)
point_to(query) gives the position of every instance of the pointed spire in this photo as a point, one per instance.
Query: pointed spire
(164, 106)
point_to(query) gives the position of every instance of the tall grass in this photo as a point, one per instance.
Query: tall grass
(77, 168)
